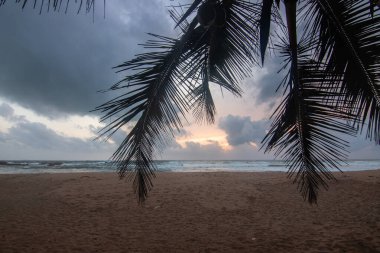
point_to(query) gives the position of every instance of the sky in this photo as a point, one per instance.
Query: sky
(53, 65)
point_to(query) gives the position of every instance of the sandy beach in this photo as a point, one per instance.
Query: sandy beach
(187, 212)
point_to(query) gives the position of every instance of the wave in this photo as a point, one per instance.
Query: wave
(16, 167)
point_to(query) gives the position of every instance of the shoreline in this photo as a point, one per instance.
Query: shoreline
(187, 212)
(33, 167)
(335, 172)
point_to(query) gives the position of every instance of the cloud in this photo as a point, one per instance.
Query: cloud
(37, 135)
(116, 138)
(209, 151)
(263, 85)
(183, 133)
(24, 139)
(54, 63)
(193, 151)
(34, 140)
(241, 130)
(6, 111)
(362, 148)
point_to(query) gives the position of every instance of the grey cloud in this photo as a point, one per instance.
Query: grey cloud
(183, 133)
(117, 137)
(263, 88)
(362, 148)
(37, 135)
(34, 140)
(370, 151)
(54, 63)
(6, 111)
(241, 130)
(194, 151)
(203, 152)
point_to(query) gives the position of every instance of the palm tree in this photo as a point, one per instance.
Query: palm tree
(331, 56)
(331, 59)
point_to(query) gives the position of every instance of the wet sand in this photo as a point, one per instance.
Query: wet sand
(187, 212)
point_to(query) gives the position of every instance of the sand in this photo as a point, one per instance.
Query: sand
(187, 212)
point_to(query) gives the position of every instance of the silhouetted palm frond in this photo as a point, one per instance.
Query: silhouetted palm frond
(304, 129)
(268, 13)
(332, 82)
(156, 99)
(348, 42)
(176, 78)
(57, 5)
(222, 53)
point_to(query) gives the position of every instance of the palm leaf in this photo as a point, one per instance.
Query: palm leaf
(57, 5)
(204, 107)
(171, 78)
(192, 7)
(304, 127)
(223, 53)
(156, 99)
(265, 20)
(348, 42)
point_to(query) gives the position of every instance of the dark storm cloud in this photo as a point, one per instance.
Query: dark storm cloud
(241, 130)
(54, 63)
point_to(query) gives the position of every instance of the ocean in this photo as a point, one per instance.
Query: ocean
(22, 167)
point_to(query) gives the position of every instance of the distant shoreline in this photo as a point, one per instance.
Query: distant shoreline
(179, 172)
(35, 166)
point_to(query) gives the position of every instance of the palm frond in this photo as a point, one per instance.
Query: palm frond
(348, 41)
(173, 77)
(304, 127)
(191, 8)
(265, 22)
(231, 45)
(204, 107)
(156, 99)
(57, 5)
(222, 53)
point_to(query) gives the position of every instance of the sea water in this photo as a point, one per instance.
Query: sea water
(17, 167)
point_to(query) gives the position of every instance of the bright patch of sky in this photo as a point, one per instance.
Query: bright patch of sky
(70, 125)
